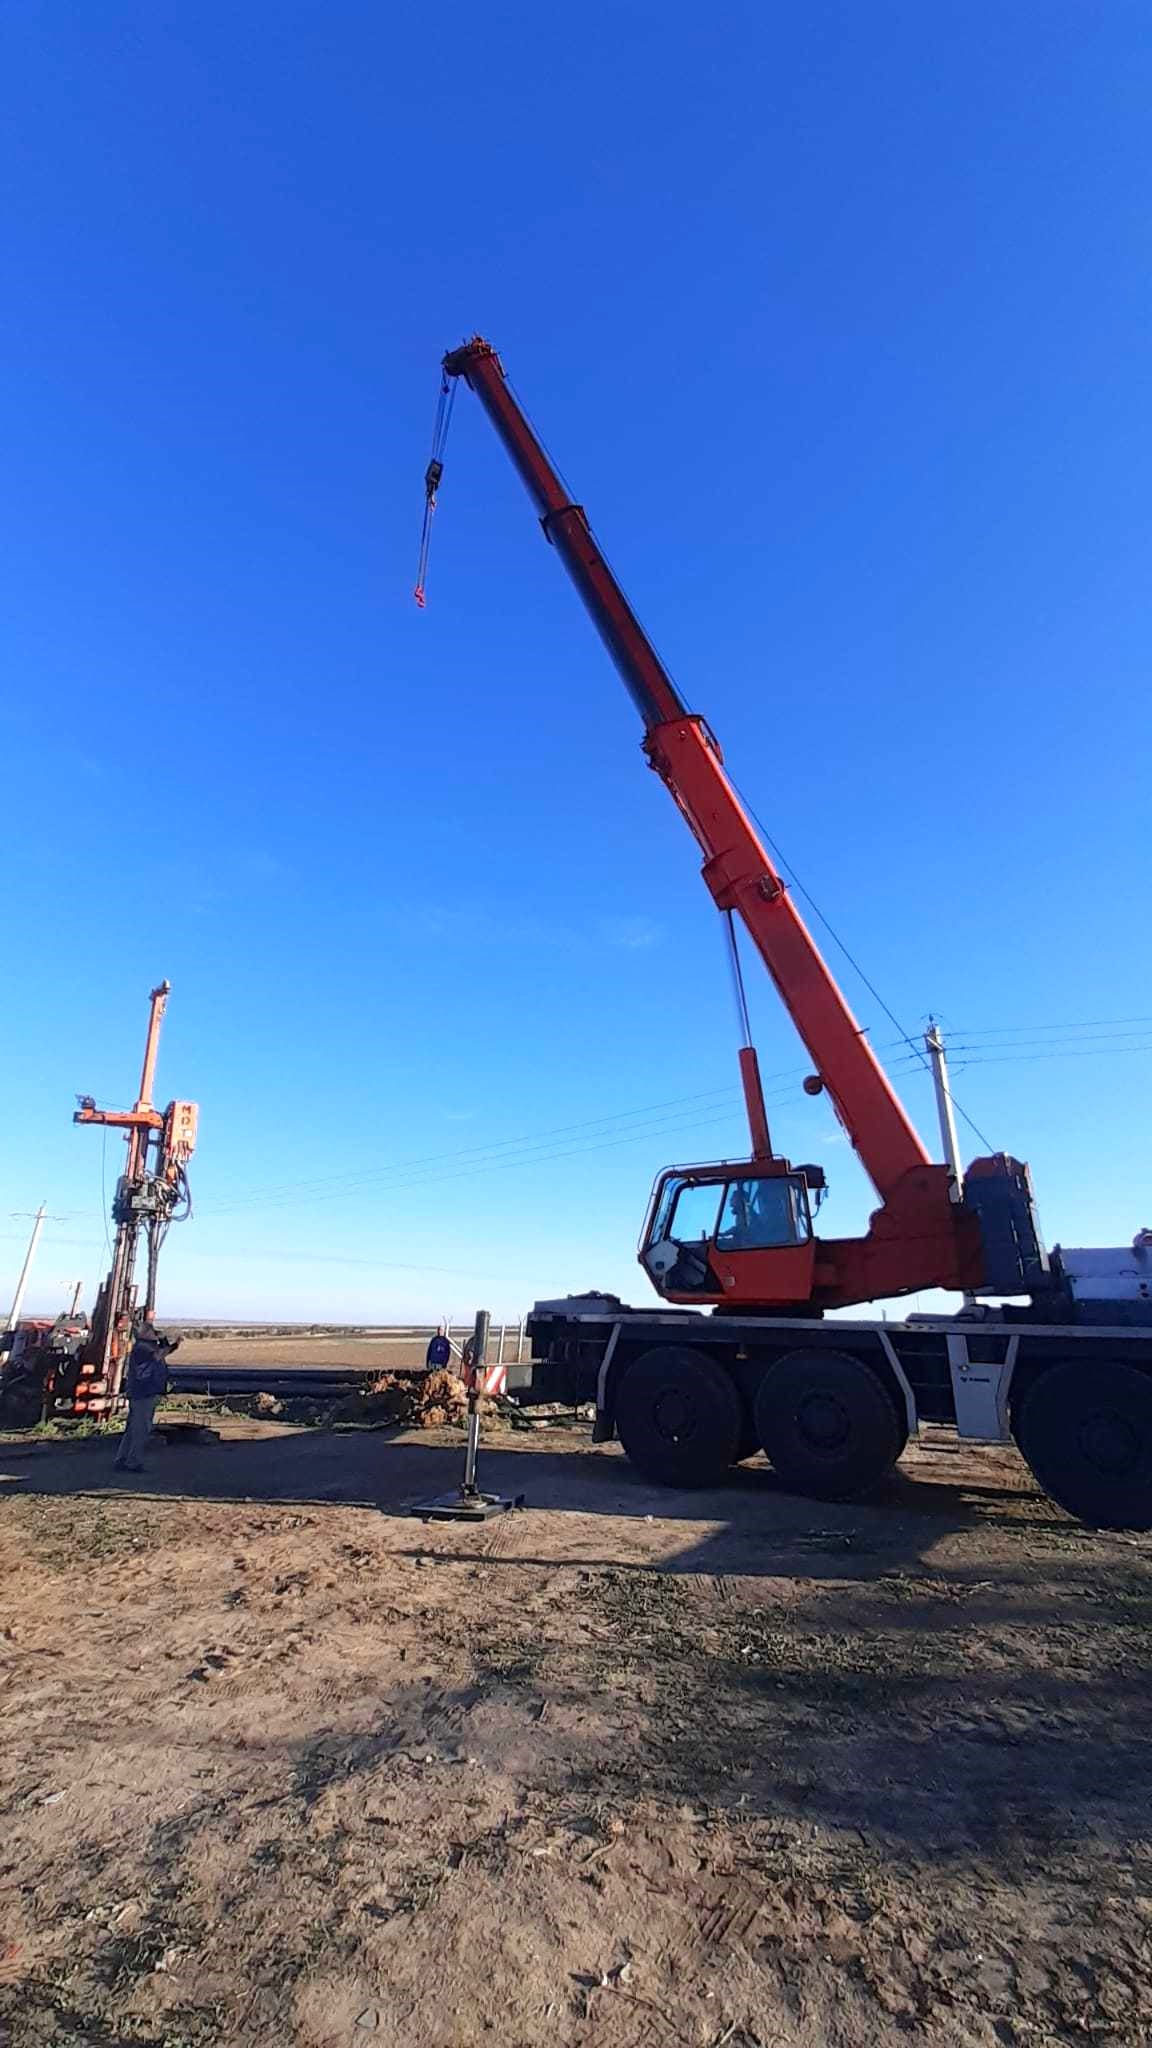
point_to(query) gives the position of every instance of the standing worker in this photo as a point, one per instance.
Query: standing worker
(439, 1352)
(145, 1383)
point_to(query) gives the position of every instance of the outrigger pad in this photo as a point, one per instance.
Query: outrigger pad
(465, 1507)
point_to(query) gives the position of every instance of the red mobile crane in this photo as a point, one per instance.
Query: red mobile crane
(737, 1236)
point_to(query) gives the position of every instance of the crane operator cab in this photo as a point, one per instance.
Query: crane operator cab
(742, 1229)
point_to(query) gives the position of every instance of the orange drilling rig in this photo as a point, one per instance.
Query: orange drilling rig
(75, 1366)
(151, 1193)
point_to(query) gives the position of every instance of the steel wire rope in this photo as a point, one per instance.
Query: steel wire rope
(834, 935)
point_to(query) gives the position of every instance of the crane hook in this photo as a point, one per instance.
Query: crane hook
(432, 476)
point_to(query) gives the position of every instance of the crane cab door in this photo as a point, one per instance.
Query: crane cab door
(736, 1237)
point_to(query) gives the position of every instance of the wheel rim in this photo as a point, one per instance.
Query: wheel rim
(1109, 1443)
(824, 1423)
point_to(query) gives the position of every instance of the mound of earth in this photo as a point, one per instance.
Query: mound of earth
(424, 1402)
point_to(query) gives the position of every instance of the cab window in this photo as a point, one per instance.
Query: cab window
(694, 1216)
(758, 1214)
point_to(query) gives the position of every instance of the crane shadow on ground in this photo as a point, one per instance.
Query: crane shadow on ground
(599, 1509)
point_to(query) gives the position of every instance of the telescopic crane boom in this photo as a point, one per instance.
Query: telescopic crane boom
(760, 1249)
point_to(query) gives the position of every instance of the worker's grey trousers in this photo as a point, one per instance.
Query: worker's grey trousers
(134, 1441)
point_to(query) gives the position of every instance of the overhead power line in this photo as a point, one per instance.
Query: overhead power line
(671, 1117)
(357, 1176)
(383, 1183)
(1109, 1024)
(1093, 1041)
(1068, 1052)
(520, 1146)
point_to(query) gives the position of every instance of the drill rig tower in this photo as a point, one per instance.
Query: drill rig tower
(151, 1193)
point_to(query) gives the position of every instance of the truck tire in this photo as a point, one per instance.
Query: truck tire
(828, 1424)
(1085, 1431)
(678, 1416)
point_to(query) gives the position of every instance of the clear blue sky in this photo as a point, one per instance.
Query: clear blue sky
(836, 317)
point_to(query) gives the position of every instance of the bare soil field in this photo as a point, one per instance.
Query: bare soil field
(309, 1350)
(627, 1769)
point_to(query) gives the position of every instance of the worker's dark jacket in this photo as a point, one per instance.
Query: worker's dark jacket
(439, 1352)
(147, 1375)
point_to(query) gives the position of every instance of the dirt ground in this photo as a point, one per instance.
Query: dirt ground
(626, 1769)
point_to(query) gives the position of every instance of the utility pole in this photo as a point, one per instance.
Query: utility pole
(26, 1268)
(944, 1106)
(946, 1110)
